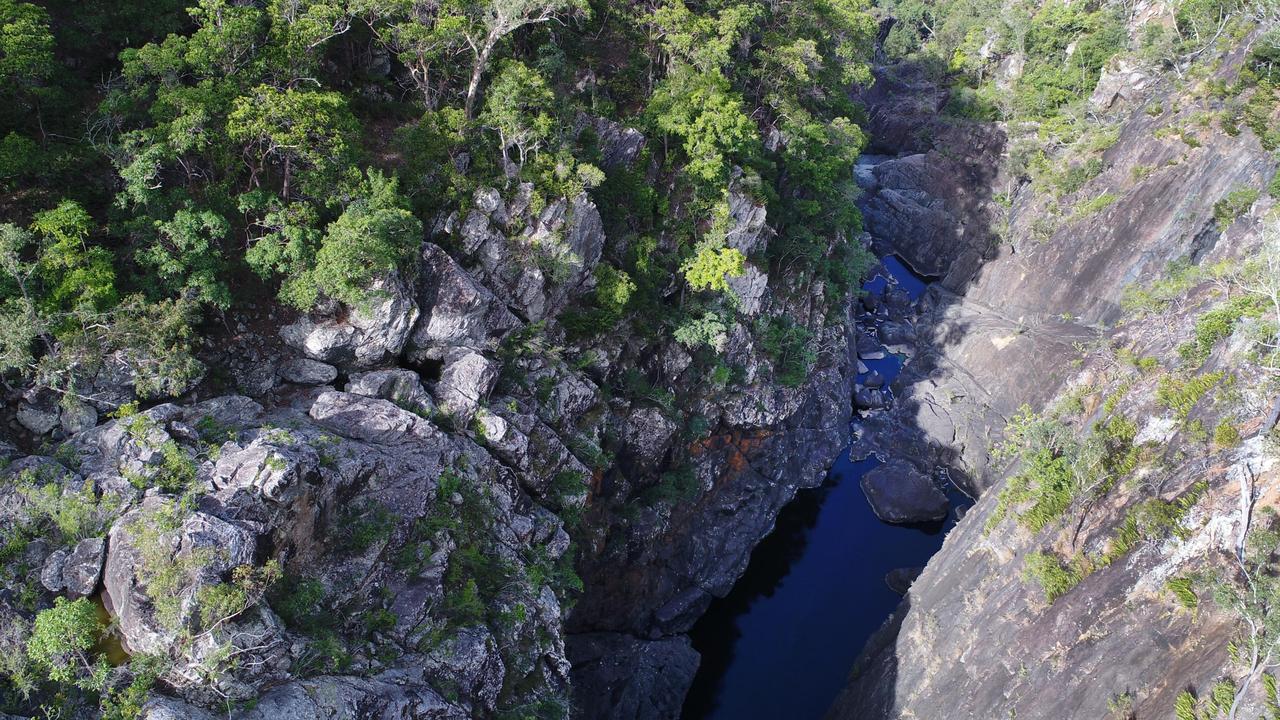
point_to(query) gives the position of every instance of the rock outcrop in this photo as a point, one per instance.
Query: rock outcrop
(1095, 611)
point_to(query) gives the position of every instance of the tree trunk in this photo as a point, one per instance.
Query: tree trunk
(477, 71)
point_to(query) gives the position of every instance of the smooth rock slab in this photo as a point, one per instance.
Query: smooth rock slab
(303, 371)
(899, 493)
(83, 567)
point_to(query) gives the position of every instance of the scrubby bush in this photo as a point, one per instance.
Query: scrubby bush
(1054, 577)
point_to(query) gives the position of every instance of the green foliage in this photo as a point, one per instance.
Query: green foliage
(1226, 434)
(1183, 591)
(126, 703)
(62, 640)
(1217, 325)
(1059, 465)
(1052, 77)
(1094, 206)
(709, 329)
(361, 527)
(305, 135)
(1184, 707)
(789, 347)
(711, 267)
(1046, 481)
(1178, 280)
(163, 573)
(375, 235)
(1054, 577)
(701, 109)
(75, 514)
(300, 602)
(223, 601)
(187, 258)
(613, 293)
(1152, 519)
(1181, 394)
(516, 109)
(676, 486)
(1236, 203)
(26, 49)
(75, 273)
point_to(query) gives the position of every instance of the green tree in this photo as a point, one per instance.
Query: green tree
(62, 641)
(488, 22)
(703, 111)
(515, 108)
(711, 267)
(304, 133)
(187, 258)
(375, 235)
(26, 52)
(74, 272)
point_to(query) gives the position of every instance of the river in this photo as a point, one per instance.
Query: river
(781, 644)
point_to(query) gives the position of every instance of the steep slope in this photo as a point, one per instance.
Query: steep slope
(1103, 573)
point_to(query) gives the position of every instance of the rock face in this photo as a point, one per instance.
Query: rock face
(457, 311)
(1018, 617)
(1002, 325)
(358, 338)
(303, 371)
(633, 678)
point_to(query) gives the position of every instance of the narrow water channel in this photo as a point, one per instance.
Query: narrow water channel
(781, 644)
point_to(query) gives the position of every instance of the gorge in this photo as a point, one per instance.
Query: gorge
(560, 359)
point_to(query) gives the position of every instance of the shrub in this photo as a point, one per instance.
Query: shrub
(1047, 482)
(1226, 435)
(1075, 176)
(789, 346)
(1054, 577)
(76, 514)
(300, 603)
(1236, 203)
(1216, 325)
(710, 267)
(1181, 589)
(710, 329)
(1094, 206)
(1181, 395)
(61, 640)
(1184, 707)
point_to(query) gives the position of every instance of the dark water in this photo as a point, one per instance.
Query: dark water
(781, 644)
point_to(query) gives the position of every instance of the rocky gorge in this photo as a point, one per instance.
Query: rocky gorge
(450, 501)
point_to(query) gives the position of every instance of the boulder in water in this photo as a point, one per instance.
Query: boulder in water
(899, 493)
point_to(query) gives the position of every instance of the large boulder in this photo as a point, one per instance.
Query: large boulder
(749, 230)
(359, 337)
(899, 493)
(205, 547)
(648, 435)
(402, 387)
(465, 383)
(457, 311)
(305, 371)
(369, 419)
(618, 144)
(1122, 81)
(622, 677)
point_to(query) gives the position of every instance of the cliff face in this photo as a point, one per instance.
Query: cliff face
(439, 505)
(1093, 597)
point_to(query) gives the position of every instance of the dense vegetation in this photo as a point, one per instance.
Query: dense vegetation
(167, 165)
(160, 163)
